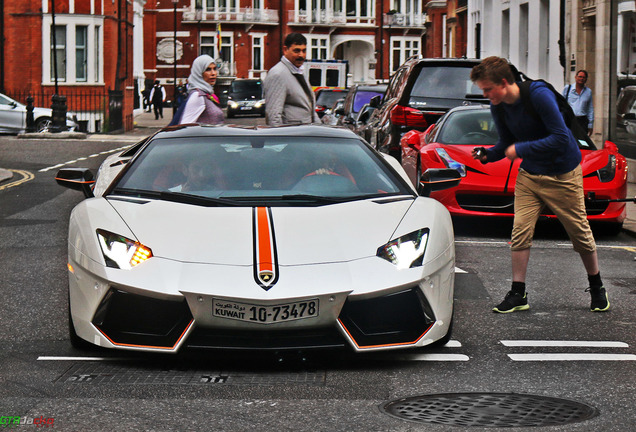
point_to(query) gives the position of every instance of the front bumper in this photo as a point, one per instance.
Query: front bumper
(116, 315)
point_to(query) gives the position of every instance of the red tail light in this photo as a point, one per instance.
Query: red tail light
(406, 116)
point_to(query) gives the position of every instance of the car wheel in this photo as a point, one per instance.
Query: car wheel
(230, 114)
(42, 124)
(610, 228)
(76, 341)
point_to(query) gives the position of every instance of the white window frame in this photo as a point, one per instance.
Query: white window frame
(320, 43)
(414, 48)
(260, 36)
(95, 59)
(215, 6)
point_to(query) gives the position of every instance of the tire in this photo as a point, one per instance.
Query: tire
(229, 114)
(609, 228)
(42, 124)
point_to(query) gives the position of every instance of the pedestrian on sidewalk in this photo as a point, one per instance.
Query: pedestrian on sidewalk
(289, 99)
(549, 175)
(580, 99)
(158, 97)
(202, 105)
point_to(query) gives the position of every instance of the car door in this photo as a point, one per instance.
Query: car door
(12, 115)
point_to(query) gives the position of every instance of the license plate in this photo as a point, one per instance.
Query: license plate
(246, 107)
(265, 314)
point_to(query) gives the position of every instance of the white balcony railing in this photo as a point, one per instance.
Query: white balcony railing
(404, 20)
(316, 16)
(240, 15)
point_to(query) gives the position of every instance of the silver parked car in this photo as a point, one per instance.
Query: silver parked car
(13, 117)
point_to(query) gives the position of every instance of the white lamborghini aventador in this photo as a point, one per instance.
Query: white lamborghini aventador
(259, 238)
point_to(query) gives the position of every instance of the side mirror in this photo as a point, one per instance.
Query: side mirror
(365, 113)
(80, 179)
(629, 116)
(412, 139)
(436, 179)
(375, 101)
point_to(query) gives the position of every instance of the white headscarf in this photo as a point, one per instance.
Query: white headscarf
(195, 81)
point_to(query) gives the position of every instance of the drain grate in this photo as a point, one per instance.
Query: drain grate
(128, 374)
(489, 410)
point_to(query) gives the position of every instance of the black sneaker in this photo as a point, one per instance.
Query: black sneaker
(600, 301)
(512, 303)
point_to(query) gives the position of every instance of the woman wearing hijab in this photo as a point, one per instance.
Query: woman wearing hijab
(202, 105)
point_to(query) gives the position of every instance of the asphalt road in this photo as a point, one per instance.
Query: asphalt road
(557, 349)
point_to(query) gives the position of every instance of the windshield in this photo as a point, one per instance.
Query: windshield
(445, 82)
(474, 127)
(278, 170)
(477, 127)
(247, 88)
(328, 98)
(363, 97)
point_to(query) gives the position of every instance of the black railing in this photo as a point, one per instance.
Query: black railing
(89, 105)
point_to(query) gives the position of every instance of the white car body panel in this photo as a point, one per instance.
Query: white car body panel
(205, 255)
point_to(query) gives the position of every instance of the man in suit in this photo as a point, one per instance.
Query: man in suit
(288, 97)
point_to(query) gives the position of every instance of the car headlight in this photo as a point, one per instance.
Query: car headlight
(406, 251)
(121, 252)
(606, 174)
(450, 162)
(233, 104)
(259, 104)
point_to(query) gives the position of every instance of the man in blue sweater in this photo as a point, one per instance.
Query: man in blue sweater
(550, 175)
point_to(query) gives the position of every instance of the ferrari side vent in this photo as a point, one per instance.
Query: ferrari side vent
(400, 318)
(146, 322)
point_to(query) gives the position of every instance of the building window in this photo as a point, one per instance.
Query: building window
(257, 53)
(98, 54)
(318, 47)
(78, 50)
(58, 52)
(402, 48)
(81, 53)
(221, 5)
(227, 53)
(207, 46)
(359, 8)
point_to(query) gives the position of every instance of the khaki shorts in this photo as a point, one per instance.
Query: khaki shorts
(563, 194)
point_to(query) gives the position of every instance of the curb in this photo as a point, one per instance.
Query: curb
(52, 135)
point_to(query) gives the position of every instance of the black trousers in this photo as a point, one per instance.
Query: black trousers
(582, 121)
(158, 106)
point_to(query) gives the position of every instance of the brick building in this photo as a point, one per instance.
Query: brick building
(93, 49)
(374, 36)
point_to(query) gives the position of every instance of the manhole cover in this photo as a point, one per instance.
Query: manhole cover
(489, 410)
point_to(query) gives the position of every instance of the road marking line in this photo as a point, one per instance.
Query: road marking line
(81, 159)
(548, 343)
(26, 176)
(453, 344)
(62, 358)
(572, 357)
(432, 357)
(458, 270)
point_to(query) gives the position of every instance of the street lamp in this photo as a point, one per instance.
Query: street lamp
(174, 45)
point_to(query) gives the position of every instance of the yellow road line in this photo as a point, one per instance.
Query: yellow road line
(26, 176)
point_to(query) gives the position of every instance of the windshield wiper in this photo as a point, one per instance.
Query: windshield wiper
(179, 197)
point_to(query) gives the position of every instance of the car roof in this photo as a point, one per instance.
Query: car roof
(195, 130)
(371, 87)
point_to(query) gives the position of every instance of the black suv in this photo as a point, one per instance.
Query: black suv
(419, 93)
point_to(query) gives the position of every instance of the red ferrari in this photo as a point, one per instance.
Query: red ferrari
(488, 189)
